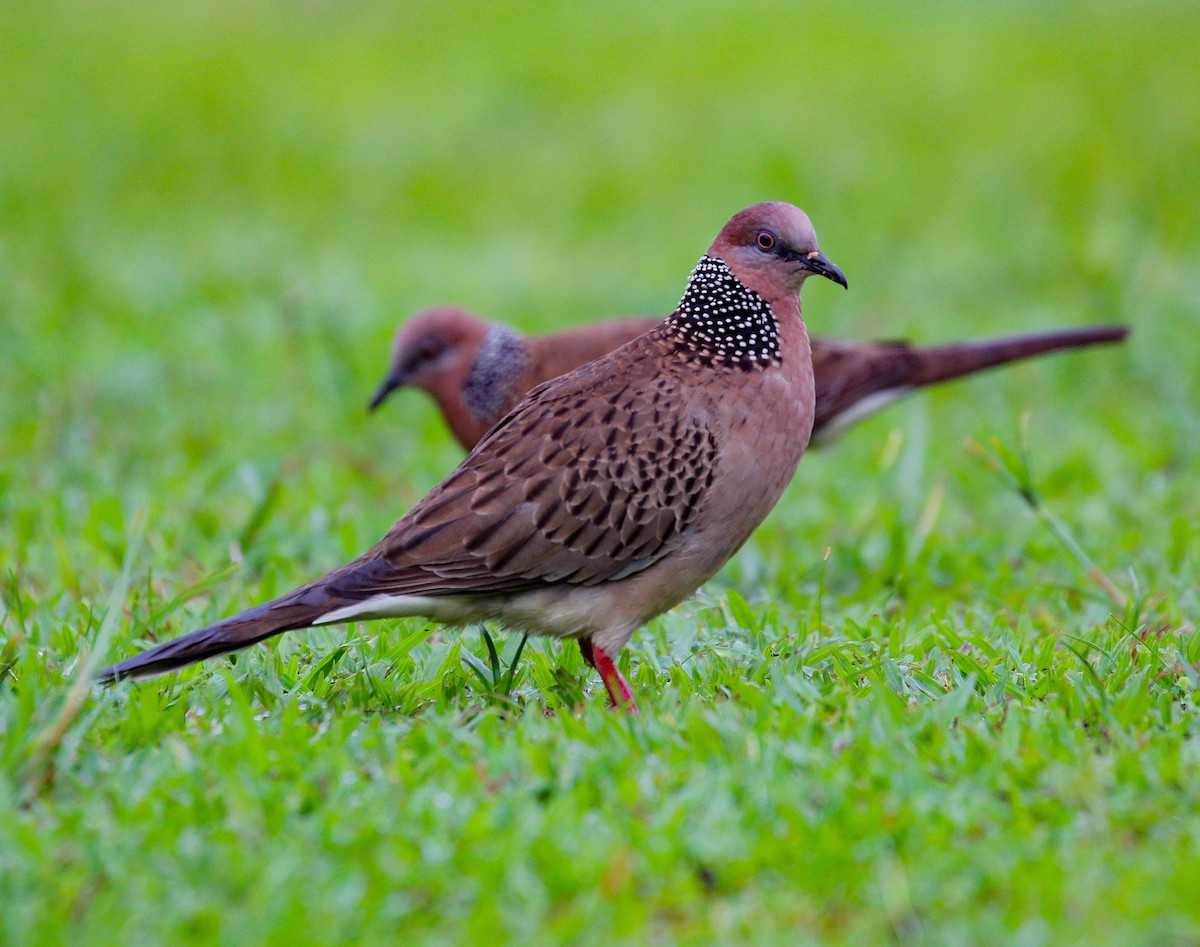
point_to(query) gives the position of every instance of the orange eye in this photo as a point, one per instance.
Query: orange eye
(765, 241)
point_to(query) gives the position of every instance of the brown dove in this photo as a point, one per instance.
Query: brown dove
(477, 370)
(609, 494)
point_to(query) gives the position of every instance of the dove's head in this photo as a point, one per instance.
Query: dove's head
(772, 248)
(433, 347)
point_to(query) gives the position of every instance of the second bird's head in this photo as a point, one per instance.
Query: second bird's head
(772, 247)
(434, 347)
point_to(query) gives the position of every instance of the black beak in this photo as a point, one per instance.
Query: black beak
(396, 379)
(818, 264)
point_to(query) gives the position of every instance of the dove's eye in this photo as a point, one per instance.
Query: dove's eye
(765, 241)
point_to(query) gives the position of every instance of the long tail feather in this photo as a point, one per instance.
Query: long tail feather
(231, 634)
(856, 380)
(943, 362)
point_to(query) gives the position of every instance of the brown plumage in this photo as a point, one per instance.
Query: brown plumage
(609, 494)
(476, 370)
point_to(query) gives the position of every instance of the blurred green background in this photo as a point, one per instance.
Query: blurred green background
(213, 215)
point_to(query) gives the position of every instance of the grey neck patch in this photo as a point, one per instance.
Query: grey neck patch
(721, 321)
(499, 365)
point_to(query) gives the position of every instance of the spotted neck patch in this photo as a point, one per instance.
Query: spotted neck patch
(721, 321)
(499, 364)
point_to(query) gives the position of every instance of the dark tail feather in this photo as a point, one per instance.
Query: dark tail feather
(855, 380)
(231, 634)
(940, 363)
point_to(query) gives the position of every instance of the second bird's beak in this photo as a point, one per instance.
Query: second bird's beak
(816, 263)
(397, 379)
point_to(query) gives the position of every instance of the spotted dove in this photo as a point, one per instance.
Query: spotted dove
(476, 370)
(609, 494)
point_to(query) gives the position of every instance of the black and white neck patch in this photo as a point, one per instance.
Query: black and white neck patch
(498, 365)
(721, 321)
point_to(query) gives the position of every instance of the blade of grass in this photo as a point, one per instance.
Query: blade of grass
(1014, 469)
(475, 663)
(493, 655)
(39, 770)
(512, 666)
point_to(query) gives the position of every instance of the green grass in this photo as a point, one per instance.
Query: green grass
(905, 712)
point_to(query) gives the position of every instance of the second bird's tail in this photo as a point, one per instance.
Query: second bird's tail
(938, 363)
(856, 379)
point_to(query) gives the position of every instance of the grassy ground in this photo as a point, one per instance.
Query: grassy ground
(905, 712)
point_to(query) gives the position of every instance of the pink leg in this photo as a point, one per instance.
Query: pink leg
(618, 688)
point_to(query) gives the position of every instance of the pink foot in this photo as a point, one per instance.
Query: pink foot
(618, 688)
